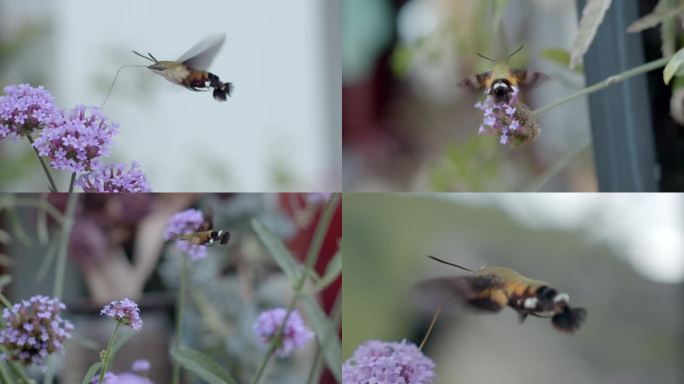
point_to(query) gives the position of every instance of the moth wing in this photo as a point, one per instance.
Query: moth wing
(527, 78)
(477, 82)
(208, 222)
(482, 292)
(202, 54)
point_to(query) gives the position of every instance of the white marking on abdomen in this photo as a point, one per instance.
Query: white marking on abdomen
(530, 303)
(561, 297)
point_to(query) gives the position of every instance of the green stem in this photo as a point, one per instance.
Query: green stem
(321, 230)
(610, 81)
(179, 316)
(53, 186)
(106, 358)
(17, 370)
(60, 268)
(317, 366)
(311, 258)
(277, 338)
(4, 374)
(556, 168)
(72, 182)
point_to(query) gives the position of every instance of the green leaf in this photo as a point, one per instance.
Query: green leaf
(91, 373)
(326, 334)
(592, 17)
(658, 16)
(673, 66)
(121, 340)
(278, 251)
(333, 270)
(202, 366)
(5, 280)
(559, 56)
(401, 59)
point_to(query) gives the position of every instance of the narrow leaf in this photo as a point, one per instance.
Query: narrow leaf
(592, 17)
(559, 56)
(654, 18)
(91, 373)
(121, 340)
(278, 251)
(5, 280)
(202, 366)
(673, 66)
(326, 333)
(333, 270)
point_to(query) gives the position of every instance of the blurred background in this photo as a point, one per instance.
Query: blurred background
(407, 125)
(280, 131)
(619, 256)
(116, 250)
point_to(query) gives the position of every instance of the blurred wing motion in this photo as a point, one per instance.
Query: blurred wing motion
(502, 82)
(201, 55)
(493, 288)
(206, 235)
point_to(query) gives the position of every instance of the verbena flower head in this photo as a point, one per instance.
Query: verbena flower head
(512, 121)
(124, 311)
(114, 178)
(122, 378)
(295, 333)
(24, 108)
(183, 223)
(141, 365)
(388, 362)
(77, 143)
(34, 329)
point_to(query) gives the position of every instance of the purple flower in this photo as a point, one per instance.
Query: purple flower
(183, 223)
(77, 143)
(124, 311)
(25, 108)
(141, 365)
(511, 120)
(34, 329)
(114, 178)
(388, 362)
(122, 378)
(295, 333)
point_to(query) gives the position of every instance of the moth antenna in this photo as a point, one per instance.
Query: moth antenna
(485, 57)
(111, 87)
(153, 58)
(451, 264)
(144, 57)
(516, 51)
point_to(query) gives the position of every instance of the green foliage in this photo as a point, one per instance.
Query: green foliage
(202, 366)
(91, 372)
(471, 165)
(278, 251)
(561, 57)
(673, 66)
(592, 17)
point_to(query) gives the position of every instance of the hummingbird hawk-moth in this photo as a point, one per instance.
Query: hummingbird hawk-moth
(206, 234)
(190, 70)
(492, 288)
(501, 81)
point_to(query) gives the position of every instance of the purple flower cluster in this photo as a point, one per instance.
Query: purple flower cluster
(388, 362)
(127, 377)
(25, 108)
(512, 121)
(124, 311)
(77, 142)
(295, 333)
(183, 223)
(34, 329)
(122, 378)
(114, 178)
